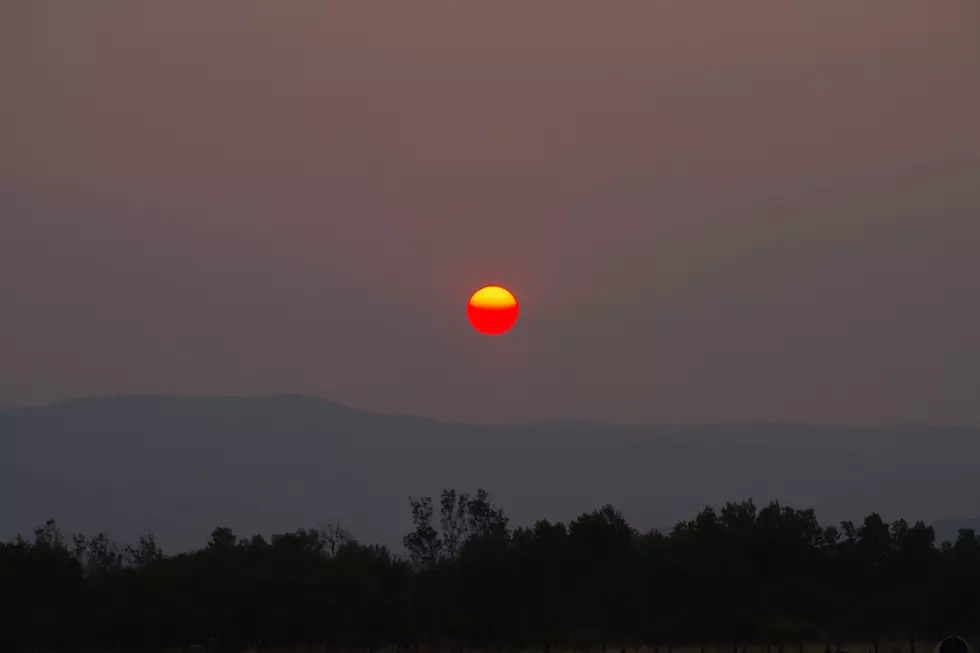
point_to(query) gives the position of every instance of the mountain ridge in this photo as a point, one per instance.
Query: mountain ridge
(547, 421)
(180, 465)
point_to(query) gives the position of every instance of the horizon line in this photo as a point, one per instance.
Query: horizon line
(544, 421)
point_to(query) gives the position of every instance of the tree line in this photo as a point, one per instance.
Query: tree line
(738, 576)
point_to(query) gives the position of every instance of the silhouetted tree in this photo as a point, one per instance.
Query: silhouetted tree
(742, 574)
(334, 537)
(423, 544)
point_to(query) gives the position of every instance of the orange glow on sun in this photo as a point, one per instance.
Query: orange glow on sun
(492, 310)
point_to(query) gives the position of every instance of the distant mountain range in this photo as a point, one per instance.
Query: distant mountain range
(182, 465)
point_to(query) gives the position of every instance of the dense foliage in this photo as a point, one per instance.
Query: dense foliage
(739, 575)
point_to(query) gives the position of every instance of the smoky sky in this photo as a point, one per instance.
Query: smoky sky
(709, 211)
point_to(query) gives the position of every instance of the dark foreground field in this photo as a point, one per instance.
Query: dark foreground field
(883, 646)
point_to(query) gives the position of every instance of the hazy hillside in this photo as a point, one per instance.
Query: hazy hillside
(181, 466)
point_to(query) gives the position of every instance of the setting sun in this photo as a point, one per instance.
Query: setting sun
(492, 310)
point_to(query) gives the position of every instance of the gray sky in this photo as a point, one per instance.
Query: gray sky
(709, 211)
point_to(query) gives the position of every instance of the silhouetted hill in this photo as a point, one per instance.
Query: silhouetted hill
(182, 465)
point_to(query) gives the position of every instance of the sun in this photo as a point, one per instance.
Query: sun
(492, 310)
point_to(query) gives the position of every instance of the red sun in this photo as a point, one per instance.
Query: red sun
(492, 310)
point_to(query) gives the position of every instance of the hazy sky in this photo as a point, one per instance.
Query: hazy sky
(709, 211)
